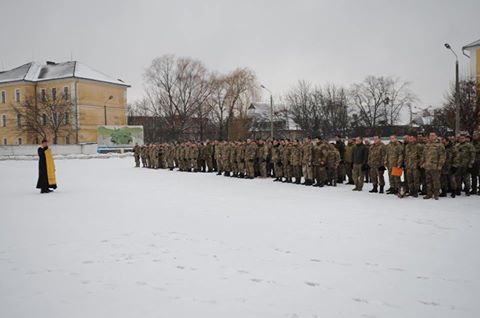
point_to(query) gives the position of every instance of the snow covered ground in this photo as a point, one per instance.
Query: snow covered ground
(115, 241)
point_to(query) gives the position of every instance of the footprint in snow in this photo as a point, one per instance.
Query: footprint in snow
(312, 284)
(429, 303)
(256, 280)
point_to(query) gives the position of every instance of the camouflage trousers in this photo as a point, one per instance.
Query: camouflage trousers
(137, 161)
(358, 176)
(307, 172)
(433, 182)
(287, 171)
(320, 174)
(332, 175)
(209, 163)
(250, 166)
(144, 161)
(341, 172)
(219, 165)
(193, 164)
(297, 172)
(278, 170)
(262, 169)
(448, 181)
(241, 167)
(377, 176)
(412, 176)
(463, 177)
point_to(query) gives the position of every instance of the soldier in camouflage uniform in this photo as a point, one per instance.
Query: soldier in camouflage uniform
(340, 145)
(376, 161)
(262, 157)
(143, 154)
(218, 156)
(250, 156)
(201, 162)
(413, 157)
(393, 159)
(277, 160)
(226, 149)
(296, 161)
(319, 162)
(307, 167)
(233, 159)
(448, 179)
(136, 153)
(194, 154)
(333, 161)
(241, 159)
(286, 163)
(208, 153)
(433, 160)
(466, 159)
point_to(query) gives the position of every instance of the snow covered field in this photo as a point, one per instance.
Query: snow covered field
(115, 241)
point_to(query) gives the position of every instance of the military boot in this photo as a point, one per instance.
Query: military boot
(374, 189)
(427, 197)
(381, 189)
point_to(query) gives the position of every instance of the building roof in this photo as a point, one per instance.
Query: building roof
(472, 45)
(38, 72)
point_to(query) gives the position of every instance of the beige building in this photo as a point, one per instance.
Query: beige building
(473, 50)
(96, 99)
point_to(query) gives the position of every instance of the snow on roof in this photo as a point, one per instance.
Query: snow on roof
(472, 45)
(37, 72)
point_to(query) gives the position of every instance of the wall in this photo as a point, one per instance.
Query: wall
(31, 150)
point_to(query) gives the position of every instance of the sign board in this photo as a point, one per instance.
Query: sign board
(119, 136)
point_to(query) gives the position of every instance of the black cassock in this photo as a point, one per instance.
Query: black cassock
(42, 182)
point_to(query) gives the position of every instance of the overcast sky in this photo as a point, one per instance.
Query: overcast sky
(339, 41)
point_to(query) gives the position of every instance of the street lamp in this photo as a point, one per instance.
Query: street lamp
(457, 91)
(105, 108)
(271, 110)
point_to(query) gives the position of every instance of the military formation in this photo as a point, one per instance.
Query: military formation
(426, 165)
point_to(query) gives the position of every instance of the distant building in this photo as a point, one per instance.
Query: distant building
(283, 124)
(88, 90)
(473, 50)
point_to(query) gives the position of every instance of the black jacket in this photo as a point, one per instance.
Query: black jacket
(360, 154)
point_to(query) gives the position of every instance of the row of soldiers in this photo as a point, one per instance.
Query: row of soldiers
(428, 165)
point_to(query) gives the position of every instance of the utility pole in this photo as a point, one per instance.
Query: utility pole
(271, 110)
(457, 92)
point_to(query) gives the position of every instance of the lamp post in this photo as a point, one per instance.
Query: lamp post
(457, 91)
(271, 110)
(105, 108)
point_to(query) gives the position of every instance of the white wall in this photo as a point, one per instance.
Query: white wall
(31, 150)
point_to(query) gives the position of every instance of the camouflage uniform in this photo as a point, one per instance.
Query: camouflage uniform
(233, 159)
(241, 159)
(143, 153)
(296, 161)
(319, 160)
(218, 157)
(432, 161)
(448, 179)
(394, 158)
(476, 169)
(307, 168)
(466, 159)
(333, 161)
(376, 161)
(250, 156)
(286, 163)
(136, 153)
(349, 161)
(262, 156)
(277, 161)
(208, 153)
(413, 156)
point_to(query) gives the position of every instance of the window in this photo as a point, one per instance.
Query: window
(17, 95)
(5, 141)
(44, 119)
(44, 95)
(67, 140)
(66, 118)
(54, 93)
(3, 97)
(65, 93)
(4, 120)
(19, 120)
(19, 142)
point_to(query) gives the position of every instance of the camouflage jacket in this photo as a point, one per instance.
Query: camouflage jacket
(376, 155)
(433, 156)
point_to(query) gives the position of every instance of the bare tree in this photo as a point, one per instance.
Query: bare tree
(46, 116)
(177, 89)
(380, 100)
(469, 108)
(302, 101)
